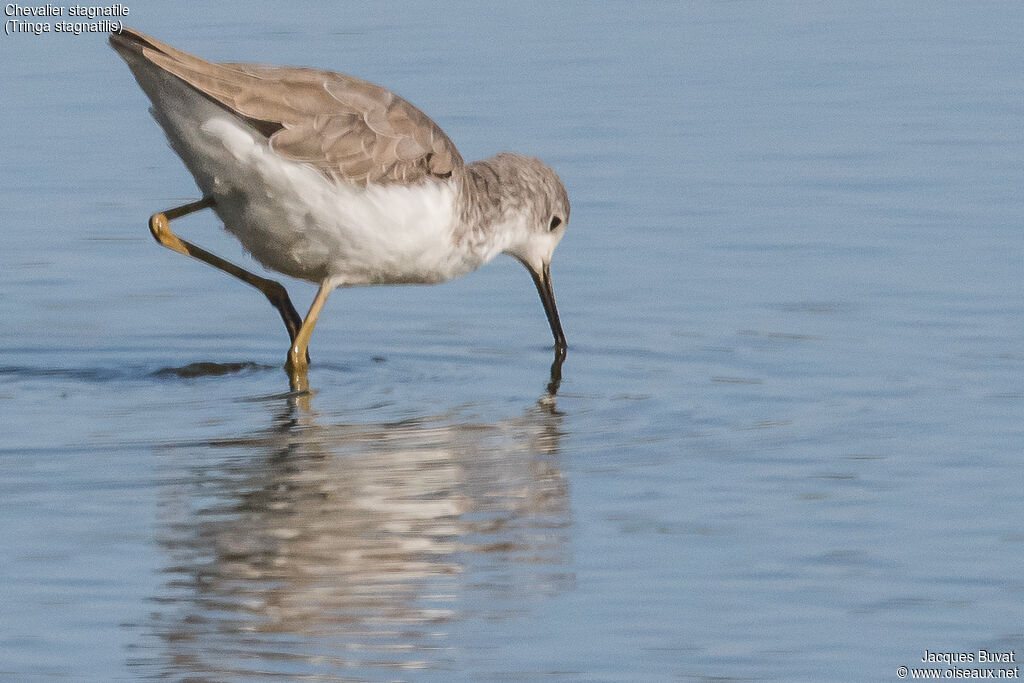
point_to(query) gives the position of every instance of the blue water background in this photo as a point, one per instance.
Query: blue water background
(786, 446)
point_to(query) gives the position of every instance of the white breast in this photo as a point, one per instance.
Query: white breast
(294, 220)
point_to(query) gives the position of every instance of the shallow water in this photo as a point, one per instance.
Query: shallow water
(786, 444)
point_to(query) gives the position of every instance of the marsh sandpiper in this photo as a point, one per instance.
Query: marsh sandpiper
(331, 179)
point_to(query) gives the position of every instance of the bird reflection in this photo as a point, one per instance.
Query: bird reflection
(312, 548)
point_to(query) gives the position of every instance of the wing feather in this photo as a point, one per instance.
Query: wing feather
(348, 129)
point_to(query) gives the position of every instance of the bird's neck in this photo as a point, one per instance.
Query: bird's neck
(483, 202)
(487, 206)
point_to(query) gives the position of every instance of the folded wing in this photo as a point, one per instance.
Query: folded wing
(350, 130)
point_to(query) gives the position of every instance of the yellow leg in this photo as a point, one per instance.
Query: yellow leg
(298, 354)
(159, 225)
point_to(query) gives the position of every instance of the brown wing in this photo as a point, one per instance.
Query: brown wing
(349, 129)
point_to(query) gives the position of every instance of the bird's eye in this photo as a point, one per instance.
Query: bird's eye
(555, 222)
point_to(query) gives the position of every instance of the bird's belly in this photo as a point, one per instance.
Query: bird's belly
(294, 220)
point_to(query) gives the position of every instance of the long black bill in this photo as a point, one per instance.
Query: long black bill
(547, 297)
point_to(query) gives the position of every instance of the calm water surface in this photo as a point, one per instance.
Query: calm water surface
(786, 444)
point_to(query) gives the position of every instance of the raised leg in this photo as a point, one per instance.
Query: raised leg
(159, 225)
(298, 354)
